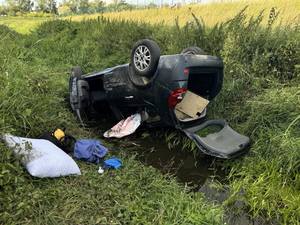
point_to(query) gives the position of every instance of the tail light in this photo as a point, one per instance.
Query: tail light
(175, 97)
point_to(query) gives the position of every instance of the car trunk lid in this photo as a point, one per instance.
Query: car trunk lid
(225, 143)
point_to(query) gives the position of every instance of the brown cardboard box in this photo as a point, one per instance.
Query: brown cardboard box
(192, 104)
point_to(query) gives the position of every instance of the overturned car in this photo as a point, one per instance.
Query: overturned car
(170, 90)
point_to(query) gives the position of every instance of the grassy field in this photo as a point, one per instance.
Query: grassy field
(260, 98)
(289, 12)
(21, 24)
(213, 13)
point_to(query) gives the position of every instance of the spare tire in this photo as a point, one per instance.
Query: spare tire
(145, 55)
(193, 51)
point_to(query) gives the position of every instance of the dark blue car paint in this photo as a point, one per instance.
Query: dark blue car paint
(120, 91)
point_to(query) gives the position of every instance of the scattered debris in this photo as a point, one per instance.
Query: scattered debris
(89, 150)
(112, 163)
(62, 140)
(100, 170)
(125, 127)
(191, 106)
(41, 157)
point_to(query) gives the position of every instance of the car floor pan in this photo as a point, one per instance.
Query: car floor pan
(226, 143)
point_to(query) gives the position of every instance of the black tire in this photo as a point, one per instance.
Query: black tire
(145, 55)
(193, 51)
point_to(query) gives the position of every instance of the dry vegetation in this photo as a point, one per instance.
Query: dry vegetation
(210, 13)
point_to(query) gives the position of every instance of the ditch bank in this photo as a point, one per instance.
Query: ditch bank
(203, 174)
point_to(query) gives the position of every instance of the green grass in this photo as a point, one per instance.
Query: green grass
(22, 24)
(260, 98)
(133, 195)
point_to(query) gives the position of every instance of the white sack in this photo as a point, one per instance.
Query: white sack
(41, 157)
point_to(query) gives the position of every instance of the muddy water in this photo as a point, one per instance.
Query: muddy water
(152, 150)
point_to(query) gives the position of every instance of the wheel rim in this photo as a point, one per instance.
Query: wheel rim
(142, 58)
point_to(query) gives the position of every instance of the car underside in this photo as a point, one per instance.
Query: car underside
(169, 90)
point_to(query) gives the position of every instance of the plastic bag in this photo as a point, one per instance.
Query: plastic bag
(124, 127)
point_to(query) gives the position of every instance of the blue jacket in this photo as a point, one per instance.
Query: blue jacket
(89, 150)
